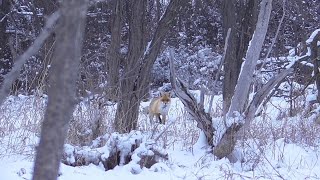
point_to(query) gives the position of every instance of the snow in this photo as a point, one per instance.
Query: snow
(312, 36)
(274, 157)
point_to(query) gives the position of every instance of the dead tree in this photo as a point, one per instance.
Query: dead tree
(241, 17)
(196, 110)
(227, 143)
(62, 92)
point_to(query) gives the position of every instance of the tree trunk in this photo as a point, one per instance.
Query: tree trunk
(62, 90)
(135, 80)
(315, 57)
(113, 54)
(228, 140)
(128, 102)
(239, 38)
(5, 54)
(252, 56)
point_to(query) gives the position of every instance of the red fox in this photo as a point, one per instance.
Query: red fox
(160, 106)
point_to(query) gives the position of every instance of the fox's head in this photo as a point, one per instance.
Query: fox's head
(165, 98)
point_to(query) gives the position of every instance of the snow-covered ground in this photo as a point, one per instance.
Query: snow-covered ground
(280, 147)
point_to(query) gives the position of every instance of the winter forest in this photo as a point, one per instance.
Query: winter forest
(159, 89)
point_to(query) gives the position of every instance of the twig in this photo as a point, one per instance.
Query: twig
(220, 66)
(218, 74)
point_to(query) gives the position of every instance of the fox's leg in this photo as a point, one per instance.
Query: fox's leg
(158, 117)
(164, 117)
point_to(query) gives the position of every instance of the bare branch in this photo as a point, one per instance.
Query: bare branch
(220, 66)
(275, 37)
(263, 92)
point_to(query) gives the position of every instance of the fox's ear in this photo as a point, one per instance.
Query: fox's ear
(163, 93)
(167, 94)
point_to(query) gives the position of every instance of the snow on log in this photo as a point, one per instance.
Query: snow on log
(131, 150)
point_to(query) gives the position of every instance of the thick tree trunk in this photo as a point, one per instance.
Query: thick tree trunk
(135, 81)
(113, 54)
(238, 41)
(62, 90)
(252, 56)
(128, 102)
(228, 140)
(315, 57)
(5, 54)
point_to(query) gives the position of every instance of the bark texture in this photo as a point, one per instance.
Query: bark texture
(62, 90)
(5, 54)
(113, 53)
(227, 143)
(241, 18)
(315, 57)
(252, 56)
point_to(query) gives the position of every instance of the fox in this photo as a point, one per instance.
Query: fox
(160, 106)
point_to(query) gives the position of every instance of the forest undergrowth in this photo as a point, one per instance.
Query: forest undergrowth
(21, 118)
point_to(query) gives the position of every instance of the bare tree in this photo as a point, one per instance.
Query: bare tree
(62, 89)
(113, 54)
(252, 56)
(240, 16)
(135, 79)
(5, 54)
(228, 140)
